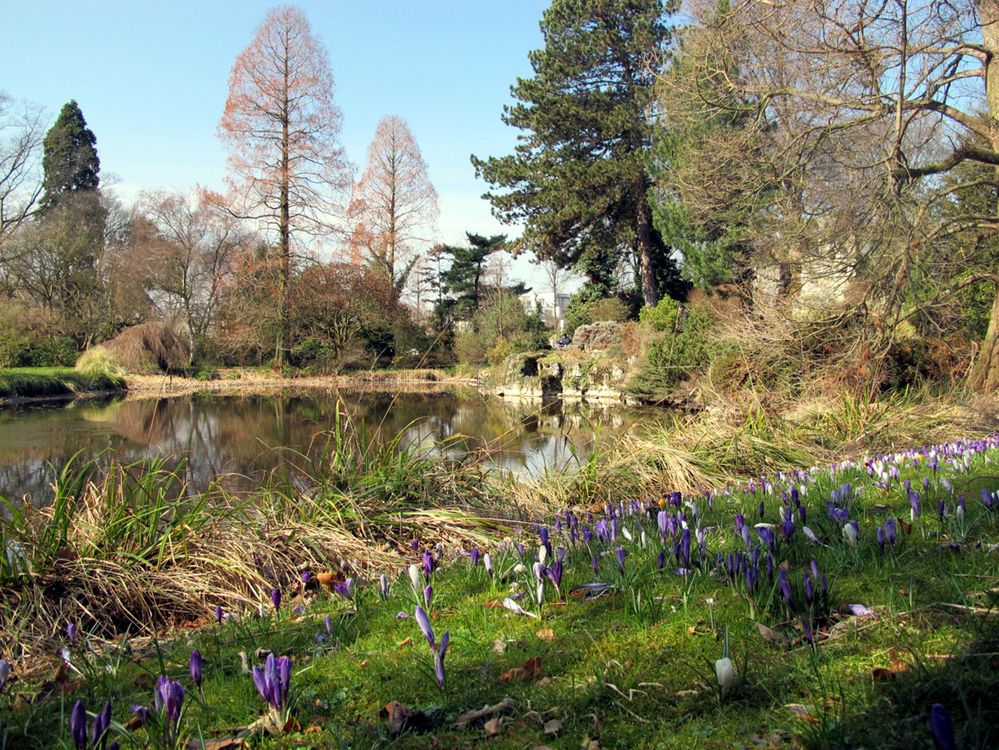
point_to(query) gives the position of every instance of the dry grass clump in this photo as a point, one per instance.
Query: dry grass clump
(148, 348)
(128, 549)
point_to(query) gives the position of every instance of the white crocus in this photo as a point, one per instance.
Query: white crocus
(849, 534)
(414, 577)
(725, 672)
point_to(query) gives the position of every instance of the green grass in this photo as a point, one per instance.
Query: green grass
(32, 382)
(632, 669)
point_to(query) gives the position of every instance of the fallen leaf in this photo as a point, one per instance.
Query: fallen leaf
(883, 674)
(327, 579)
(493, 726)
(405, 642)
(553, 726)
(400, 718)
(499, 645)
(771, 636)
(546, 634)
(530, 671)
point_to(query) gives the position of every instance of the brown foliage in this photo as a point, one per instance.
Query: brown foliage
(394, 205)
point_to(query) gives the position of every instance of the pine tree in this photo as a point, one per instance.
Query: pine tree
(578, 177)
(464, 279)
(69, 157)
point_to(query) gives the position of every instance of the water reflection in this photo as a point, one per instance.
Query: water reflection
(243, 437)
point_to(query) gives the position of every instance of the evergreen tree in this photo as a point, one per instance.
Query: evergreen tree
(464, 279)
(578, 177)
(69, 157)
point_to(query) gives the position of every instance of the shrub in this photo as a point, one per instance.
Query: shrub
(584, 309)
(680, 342)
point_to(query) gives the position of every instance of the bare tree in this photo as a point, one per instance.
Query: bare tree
(829, 125)
(21, 132)
(282, 129)
(191, 250)
(394, 205)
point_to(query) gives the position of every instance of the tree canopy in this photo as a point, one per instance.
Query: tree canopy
(578, 178)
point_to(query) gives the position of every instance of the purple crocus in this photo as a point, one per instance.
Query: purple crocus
(428, 594)
(620, 553)
(941, 728)
(101, 726)
(914, 502)
(78, 725)
(890, 530)
(474, 555)
(424, 622)
(168, 699)
(142, 713)
(439, 657)
(661, 560)
(196, 668)
(272, 682)
(4, 672)
(988, 499)
(345, 589)
(785, 588)
(555, 573)
(71, 632)
(428, 565)
(809, 591)
(218, 614)
(276, 599)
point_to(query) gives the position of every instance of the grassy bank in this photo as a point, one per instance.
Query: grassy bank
(851, 599)
(38, 382)
(619, 648)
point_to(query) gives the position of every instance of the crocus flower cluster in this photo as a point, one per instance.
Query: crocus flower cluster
(272, 682)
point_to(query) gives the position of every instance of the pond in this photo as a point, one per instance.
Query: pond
(243, 437)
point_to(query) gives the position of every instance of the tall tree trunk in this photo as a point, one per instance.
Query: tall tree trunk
(643, 229)
(285, 233)
(985, 372)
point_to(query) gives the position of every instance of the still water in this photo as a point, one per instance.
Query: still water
(244, 437)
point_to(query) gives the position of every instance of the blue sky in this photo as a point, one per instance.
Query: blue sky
(151, 80)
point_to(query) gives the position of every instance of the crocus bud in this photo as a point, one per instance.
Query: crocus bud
(487, 563)
(725, 673)
(102, 723)
(218, 613)
(4, 672)
(78, 725)
(383, 585)
(941, 728)
(414, 577)
(276, 599)
(196, 664)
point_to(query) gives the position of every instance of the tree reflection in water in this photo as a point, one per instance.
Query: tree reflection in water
(241, 437)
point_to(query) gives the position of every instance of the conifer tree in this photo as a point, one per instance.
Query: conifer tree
(578, 177)
(69, 157)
